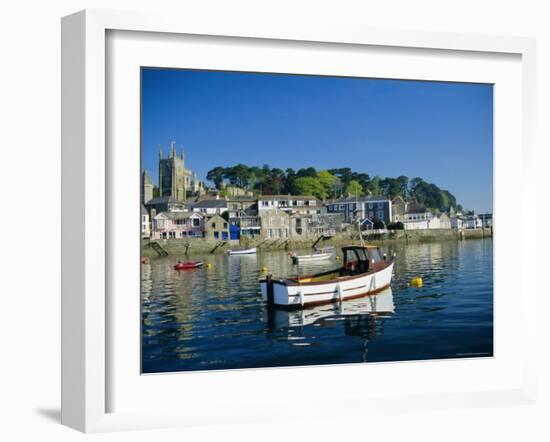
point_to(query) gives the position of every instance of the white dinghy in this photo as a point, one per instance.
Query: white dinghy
(251, 251)
(319, 256)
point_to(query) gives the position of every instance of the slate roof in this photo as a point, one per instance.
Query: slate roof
(179, 215)
(361, 199)
(416, 208)
(209, 204)
(287, 197)
(162, 200)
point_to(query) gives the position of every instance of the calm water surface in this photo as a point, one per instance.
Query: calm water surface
(211, 319)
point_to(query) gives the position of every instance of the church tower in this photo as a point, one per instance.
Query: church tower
(172, 174)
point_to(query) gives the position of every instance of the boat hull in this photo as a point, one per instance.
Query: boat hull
(291, 296)
(188, 265)
(243, 252)
(297, 259)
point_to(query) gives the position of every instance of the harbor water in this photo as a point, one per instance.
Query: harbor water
(213, 318)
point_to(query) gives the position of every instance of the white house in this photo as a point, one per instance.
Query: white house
(145, 223)
(457, 222)
(416, 217)
(210, 206)
(473, 222)
(308, 205)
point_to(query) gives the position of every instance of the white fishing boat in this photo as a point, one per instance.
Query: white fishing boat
(251, 251)
(365, 271)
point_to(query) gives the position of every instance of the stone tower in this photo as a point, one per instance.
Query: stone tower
(146, 187)
(172, 174)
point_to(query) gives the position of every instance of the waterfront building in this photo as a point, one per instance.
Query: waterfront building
(243, 213)
(216, 228)
(416, 217)
(373, 207)
(457, 222)
(275, 224)
(289, 203)
(486, 220)
(398, 209)
(299, 226)
(472, 221)
(163, 204)
(327, 224)
(178, 225)
(146, 187)
(444, 221)
(208, 206)
(145, 223)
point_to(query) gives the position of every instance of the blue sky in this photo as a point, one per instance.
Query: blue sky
(441, 132)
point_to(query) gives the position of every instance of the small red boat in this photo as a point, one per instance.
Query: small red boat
(144, 260)
(188, 265)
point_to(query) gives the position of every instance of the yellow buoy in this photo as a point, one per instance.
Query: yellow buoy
(337, 258)
(208, 266)
(264, 269)
(416, 282)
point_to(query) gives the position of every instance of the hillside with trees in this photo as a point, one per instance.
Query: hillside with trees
(331, 183)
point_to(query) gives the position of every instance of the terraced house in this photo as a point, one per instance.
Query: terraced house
(178, 225)
(372, 207)
(289, 203)
(275, 224)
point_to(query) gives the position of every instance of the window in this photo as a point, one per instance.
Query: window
(380, 215)
(216, 235)
(225, 225)
(269, 233)
(196, 222)
(375, 255)
(213, 225)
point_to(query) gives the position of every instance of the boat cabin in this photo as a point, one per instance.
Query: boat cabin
(361, 259)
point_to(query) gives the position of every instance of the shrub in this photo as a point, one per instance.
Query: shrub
(396, 226)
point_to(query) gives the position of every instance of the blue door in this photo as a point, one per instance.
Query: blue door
(224, 236)
(234, 232)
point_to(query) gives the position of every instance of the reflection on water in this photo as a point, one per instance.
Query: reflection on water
(214, 318)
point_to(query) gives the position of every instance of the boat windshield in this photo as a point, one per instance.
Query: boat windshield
(356, 261)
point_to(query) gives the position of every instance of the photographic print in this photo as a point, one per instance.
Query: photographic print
(299, 220)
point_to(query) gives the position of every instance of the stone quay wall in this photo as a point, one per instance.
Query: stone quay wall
(206, 246)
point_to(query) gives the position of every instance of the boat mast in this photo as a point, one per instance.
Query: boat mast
(359, 221)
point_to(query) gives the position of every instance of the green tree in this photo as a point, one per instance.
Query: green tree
(354, 188)
(374, 185)
(327, 180)
(216, 175)
(310, 172)
(308, 185)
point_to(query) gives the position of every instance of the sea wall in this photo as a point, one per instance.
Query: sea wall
(204, 246)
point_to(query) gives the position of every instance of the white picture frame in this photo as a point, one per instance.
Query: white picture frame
(86, 315)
